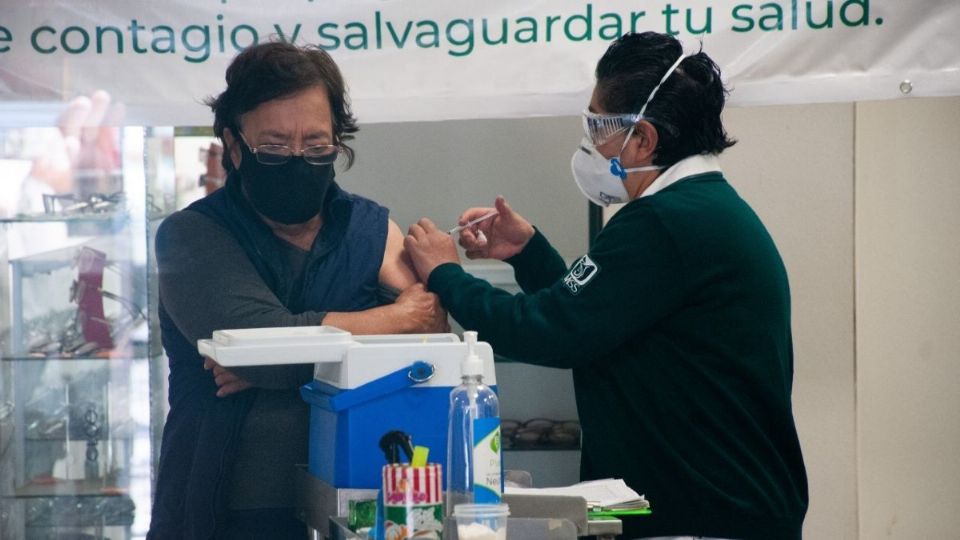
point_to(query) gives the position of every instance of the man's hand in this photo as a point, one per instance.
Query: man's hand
(227, 382)
(421, 310)
(429, 247)
(499, 238)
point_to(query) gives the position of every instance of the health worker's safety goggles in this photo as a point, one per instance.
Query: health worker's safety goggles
(600, 128)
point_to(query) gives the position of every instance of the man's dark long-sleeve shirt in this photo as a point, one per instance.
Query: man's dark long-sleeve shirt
(208, 283)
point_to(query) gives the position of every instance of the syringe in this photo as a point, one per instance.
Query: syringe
(473, 222)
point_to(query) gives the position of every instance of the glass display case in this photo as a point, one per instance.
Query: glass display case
(81, 385)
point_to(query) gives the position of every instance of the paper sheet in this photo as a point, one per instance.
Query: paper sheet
(606, 493)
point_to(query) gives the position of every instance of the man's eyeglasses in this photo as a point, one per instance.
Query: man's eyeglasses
(278, 154)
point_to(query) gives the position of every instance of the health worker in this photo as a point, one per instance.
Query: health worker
(676, 323)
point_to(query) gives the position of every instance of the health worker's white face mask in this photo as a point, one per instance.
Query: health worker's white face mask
(601, 179)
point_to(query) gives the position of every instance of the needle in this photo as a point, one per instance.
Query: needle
(471, 223)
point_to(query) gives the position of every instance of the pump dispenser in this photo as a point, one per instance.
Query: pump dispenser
(472, 364)
(473, 445)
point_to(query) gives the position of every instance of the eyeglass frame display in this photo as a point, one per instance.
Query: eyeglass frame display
(540, 433)
(95, 203)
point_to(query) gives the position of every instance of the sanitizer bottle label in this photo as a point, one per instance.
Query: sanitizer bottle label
(486, 460)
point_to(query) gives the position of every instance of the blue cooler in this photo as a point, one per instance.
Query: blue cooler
(383, 383)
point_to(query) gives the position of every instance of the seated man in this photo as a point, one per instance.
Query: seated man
(280, 245)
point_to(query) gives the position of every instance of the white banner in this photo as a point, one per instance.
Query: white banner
(408, 60)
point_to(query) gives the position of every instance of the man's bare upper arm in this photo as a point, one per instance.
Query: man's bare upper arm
(397, 269)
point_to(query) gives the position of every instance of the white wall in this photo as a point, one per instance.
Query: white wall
(908, 318)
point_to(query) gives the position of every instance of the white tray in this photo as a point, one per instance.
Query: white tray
(272, 346)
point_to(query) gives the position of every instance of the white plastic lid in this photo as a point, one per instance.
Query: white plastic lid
(481, 510)
(271, 346)
(472, 364)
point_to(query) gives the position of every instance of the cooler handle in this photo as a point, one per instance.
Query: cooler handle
(417, 373)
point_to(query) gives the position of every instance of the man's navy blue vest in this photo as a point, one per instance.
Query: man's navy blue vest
(201, 432)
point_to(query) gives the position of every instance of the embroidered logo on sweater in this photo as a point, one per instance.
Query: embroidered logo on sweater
(583, 271)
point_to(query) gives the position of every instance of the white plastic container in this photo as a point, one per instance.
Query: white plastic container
(481, 521)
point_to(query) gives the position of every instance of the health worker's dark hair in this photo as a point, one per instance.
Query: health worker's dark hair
(276, 69)
(685, 110)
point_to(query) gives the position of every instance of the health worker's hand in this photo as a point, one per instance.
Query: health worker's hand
(498, 238)
(421, 310)
(429, 247)
(227, 382)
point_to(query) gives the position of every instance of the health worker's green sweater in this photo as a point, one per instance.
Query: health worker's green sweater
(676, 325)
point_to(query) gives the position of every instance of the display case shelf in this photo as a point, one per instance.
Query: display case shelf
(111, 356)
(543, 448)
(77, 431)
(113, 218)
(69, 488)
(128, 353)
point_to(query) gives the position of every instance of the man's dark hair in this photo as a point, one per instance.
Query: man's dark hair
(686, 109)
(276, 69)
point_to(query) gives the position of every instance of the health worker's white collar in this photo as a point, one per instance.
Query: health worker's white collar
(685, 168)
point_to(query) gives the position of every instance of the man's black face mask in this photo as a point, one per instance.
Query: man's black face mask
(289, 193)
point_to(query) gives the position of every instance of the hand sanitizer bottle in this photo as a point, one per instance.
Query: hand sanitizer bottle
(473, 444)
